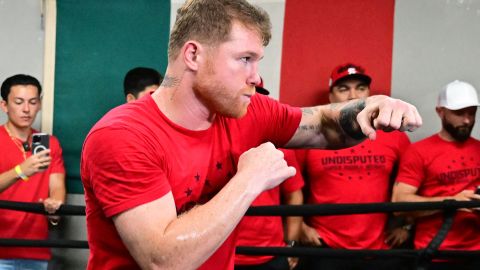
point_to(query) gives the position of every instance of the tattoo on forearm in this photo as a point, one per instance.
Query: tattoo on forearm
(314, 128)
(333, 106)
(169, 81)
(309, 111)
(348, 120)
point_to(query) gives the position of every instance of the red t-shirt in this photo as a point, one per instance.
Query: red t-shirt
(135, 155)
(360, 174)
(267, 231)
(441, 168)
(19, 224)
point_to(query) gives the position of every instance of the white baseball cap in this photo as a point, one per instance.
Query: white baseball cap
(458, 95)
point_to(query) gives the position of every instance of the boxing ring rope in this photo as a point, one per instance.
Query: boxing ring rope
(423, 256)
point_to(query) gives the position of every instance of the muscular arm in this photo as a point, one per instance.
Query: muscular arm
(159, 239)
(407, 193)
(340, 125)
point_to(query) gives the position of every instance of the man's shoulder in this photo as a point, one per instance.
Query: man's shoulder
(426, 145)
(475, 141)
(127, 115)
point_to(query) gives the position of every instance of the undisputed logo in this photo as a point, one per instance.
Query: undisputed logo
(354, 162)
(459, 176)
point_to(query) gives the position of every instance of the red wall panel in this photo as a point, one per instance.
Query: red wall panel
(319, 35)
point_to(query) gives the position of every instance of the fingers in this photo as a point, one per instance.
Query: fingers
(292, 262)
(310, 236)
(411, 121)
(51, 206)
(364, 120)
(44, 152)
(264, 166)
(385, 113)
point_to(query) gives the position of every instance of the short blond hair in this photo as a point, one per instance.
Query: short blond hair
(210, 22)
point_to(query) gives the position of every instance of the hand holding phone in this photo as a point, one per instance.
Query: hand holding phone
(40, 142)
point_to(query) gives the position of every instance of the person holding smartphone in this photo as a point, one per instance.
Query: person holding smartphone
(31, 170)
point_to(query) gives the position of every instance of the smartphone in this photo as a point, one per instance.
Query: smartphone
(477, 191)
(40, 142)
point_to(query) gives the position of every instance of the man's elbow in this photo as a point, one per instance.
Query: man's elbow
(162, 263)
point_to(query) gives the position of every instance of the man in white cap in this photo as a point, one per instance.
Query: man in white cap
(445, 166)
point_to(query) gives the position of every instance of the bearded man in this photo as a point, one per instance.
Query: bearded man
(445, 166)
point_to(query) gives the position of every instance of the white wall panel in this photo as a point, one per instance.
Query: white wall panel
(21, 41)
(435, 42)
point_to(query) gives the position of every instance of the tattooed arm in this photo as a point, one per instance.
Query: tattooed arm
(340, 125)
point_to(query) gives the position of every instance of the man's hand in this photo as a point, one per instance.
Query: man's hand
(264, 165)
(397, 236)
(385, 113)
(51, 206)
(35, 163)
(466, 195)
(309, 236)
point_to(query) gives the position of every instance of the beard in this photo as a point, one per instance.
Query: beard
(216, 97)
(459, 133)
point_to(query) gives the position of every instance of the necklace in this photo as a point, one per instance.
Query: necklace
(23, 146)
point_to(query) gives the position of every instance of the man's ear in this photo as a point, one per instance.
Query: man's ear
(439, 111)
(330, 96)
(190, 51)
(3, 104)
(130, 98)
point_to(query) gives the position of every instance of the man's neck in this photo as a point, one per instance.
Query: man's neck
(22, 133)
(179, 104)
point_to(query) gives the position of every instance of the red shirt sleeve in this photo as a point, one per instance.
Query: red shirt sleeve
(273, 120)
(411, 168)
(123, 172)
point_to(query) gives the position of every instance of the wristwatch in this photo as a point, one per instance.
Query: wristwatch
(291, 243)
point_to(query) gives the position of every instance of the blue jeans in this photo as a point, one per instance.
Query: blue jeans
(23, 264)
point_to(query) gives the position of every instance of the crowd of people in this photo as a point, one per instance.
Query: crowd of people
(169, 175)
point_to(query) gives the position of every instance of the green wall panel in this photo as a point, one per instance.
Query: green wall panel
(97, 43)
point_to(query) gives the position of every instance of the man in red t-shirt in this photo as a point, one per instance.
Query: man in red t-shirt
(167, 178)
(360, 174)
(445, 166)
(23, 176)
(269, 231)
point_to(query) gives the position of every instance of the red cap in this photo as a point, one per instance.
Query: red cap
(259, 88)
(348, 70)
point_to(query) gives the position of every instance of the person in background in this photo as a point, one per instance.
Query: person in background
(445, 166)
(269, 231)
(360, 174)
(27, 177)
(168, 178)
(140, 81)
